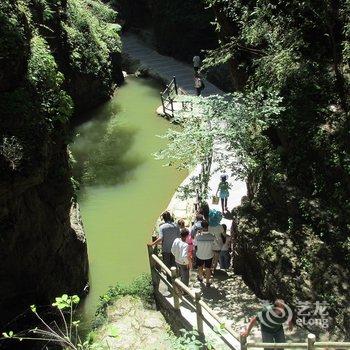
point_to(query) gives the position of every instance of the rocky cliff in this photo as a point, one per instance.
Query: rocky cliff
(56, 58)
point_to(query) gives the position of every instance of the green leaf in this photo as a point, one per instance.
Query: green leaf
(33, 308)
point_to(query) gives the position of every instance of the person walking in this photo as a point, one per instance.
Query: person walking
(189, 240)
(225, 257)
(198, 84)
(223, 190)
(196, 63)
(180, 251)
(197, 225)
(271, 319)
(215, 229)
(168, 232)
(204, 253)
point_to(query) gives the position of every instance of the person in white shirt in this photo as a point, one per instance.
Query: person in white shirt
(180, 251)
(225, 258)
(204, 253)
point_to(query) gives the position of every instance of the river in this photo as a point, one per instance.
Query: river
(123, 188)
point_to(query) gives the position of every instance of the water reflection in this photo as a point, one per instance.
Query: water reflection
(102, 154)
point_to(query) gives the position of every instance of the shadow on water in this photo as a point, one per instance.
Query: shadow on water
(105, 161)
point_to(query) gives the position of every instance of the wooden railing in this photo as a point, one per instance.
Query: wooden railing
(159, 271)
(167, 97)
(310, 344)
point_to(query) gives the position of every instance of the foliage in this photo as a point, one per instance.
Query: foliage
(67, 336)
(47, 82)
(237, 120)
(12, 151)
(92, 36)
(190, 340)
(191, 144)
(296, 158)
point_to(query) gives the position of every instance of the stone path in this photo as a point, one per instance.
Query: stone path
(164, 67)
(235, 303)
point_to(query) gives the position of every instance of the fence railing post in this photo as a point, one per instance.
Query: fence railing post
(199, 312)
(161, 97)
(175, 84)
(172, 107)
(243, 341)
(175, 295)
(152, 267)
(311, 338)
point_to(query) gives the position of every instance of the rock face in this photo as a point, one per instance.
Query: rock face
(181, 29)
(44, 52)
(132, 326)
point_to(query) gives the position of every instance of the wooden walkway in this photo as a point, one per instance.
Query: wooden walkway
(164, 66)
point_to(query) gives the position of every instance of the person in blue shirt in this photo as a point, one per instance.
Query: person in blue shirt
(223, 190)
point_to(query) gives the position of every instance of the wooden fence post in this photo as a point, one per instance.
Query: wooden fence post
(175, 85)
(243, 341)
(175, 295)
(172, 107)
(152, 267)
(199, 312)
(311, 338)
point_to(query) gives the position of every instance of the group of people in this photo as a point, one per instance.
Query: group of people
(203, 246)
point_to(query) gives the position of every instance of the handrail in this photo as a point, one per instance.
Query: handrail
(199, 304)
(167, 96)
(277, 345)
(183, 286)
(195, 296)
(161, 264)
(320, 344)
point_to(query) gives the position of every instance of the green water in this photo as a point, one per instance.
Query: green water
(124, 188)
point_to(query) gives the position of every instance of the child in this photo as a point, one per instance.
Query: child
(223, 192)
(225, 257)
(180, 251)
(182, 225)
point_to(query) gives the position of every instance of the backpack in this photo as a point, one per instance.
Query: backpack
(215, 217)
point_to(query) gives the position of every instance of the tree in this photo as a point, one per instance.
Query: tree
(300, 187)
